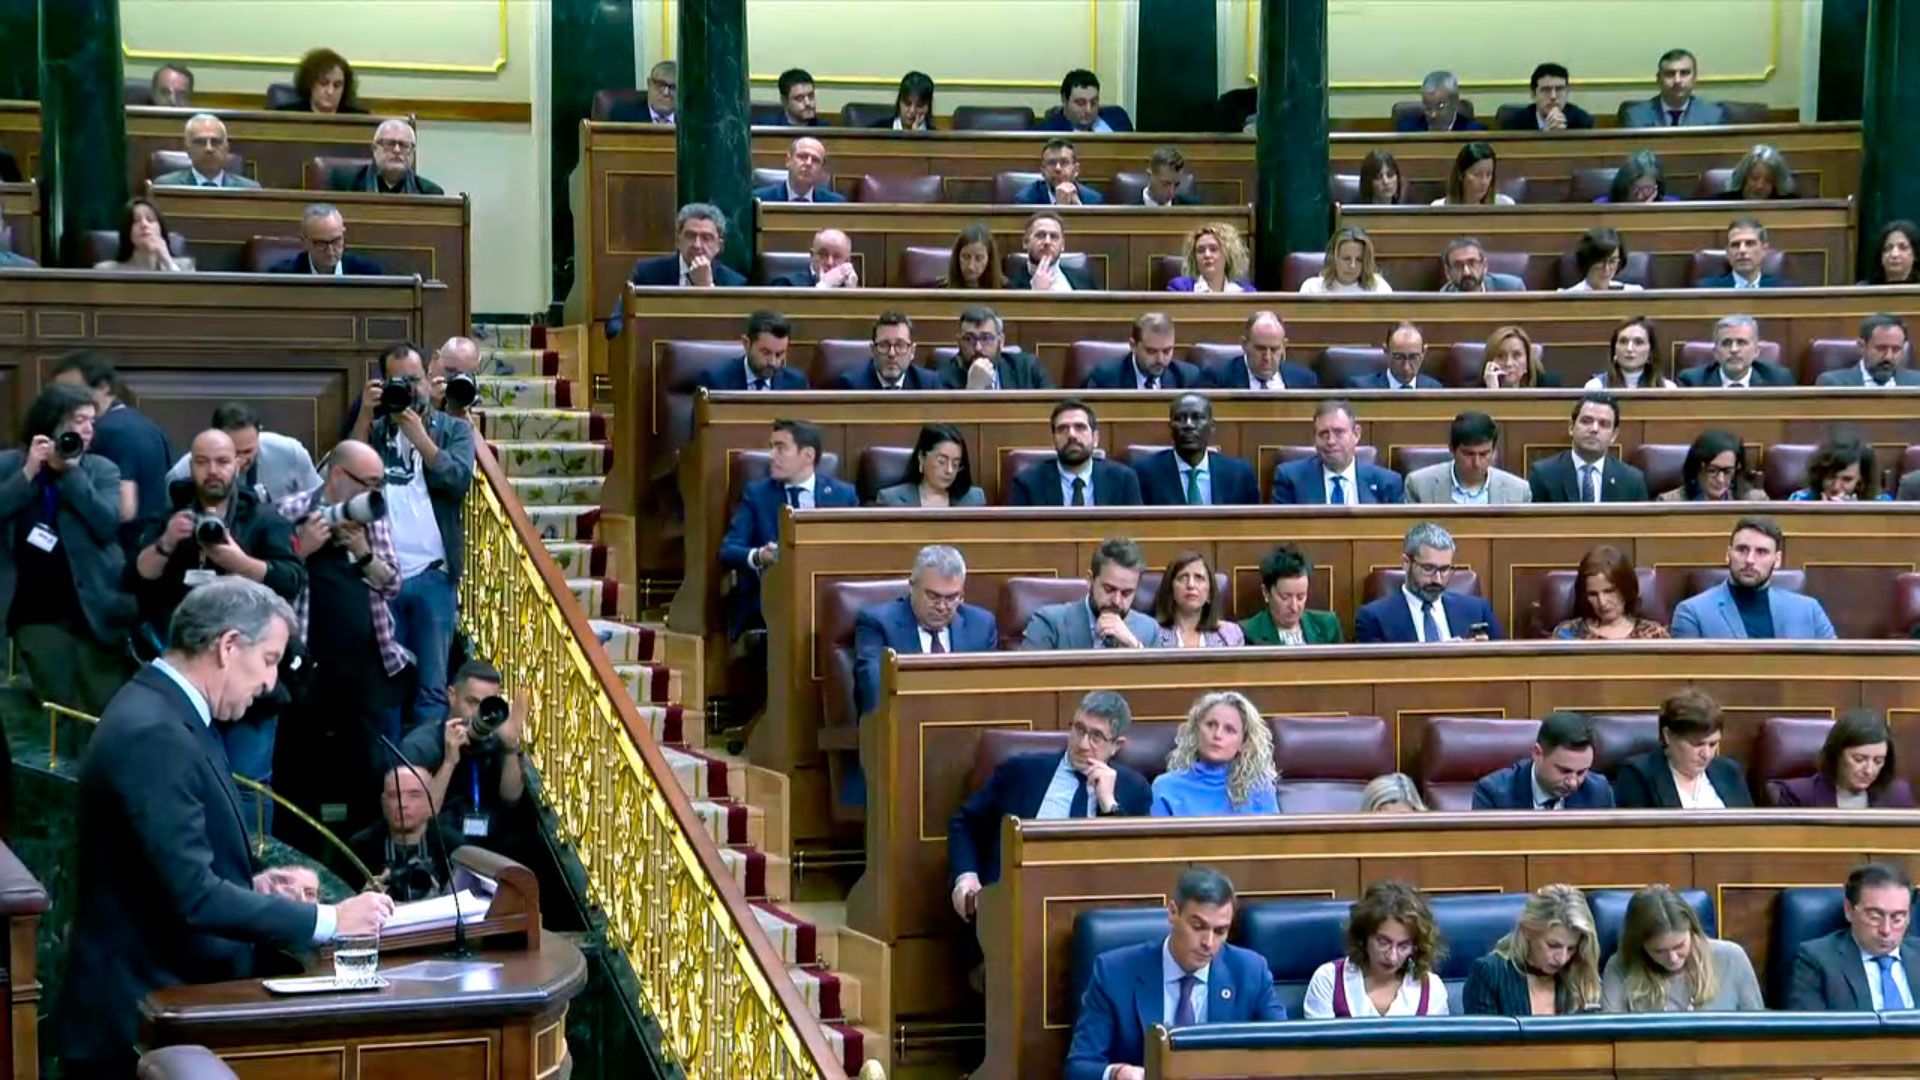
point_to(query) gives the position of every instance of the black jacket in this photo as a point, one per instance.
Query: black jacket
(353, 266)
(259, 530)
(1555, 480)
(1646, 783)
(1017, 371)
(1496, 988)
(1022, 278)
(367, 178)
(1039, 485)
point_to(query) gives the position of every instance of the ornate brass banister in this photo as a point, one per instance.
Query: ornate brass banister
(706, 971)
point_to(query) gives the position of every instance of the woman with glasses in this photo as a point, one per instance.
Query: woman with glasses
(1715, 471)
(938, 473)
(1221, 764)
(1599, 256)
(1393, 948)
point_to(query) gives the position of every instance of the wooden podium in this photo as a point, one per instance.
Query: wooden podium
(503, 1023)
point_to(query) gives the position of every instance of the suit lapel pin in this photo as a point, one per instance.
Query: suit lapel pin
(1226, 993)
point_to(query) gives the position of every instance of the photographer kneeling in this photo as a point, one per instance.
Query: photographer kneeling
(401, 850)
(479, 776)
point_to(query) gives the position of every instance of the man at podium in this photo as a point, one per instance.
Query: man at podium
(168, 892)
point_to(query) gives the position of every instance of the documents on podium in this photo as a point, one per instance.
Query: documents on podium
(498, 898)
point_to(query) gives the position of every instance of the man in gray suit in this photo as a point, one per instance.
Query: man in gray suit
(206, 143)
(1675, 105)
(1105, 619)
(1744, 606)
(1883, 357)
(1466, 263)
(1869, 966)
(1471, 478)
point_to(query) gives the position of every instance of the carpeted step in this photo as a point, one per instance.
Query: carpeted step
(554, 458)
(599, 597)
(577, 559)
(702, 775)
(651, 684)
(629, 643)
(675, 726)
(544, 363)
(558, 490)
(733, 824)
(538, 425)
(509, 336)
(849, 1043)
(524, 392)
(575, 523)
(795, 938)
(759, 875)
(832, 995)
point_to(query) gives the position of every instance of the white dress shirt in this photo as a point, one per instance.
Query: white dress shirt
(1058, 800)
(200, 179)
(1406, 1001)
(1745, 282)
(1743, 382)
(1170, 974)
(1350, 486)
(927, 637)
(1540, 795)
(1867, 379)
(1084, 472)
(1205, 478)
(1899, 979)
(1231, 286)
(339, 268)
(1466, 496)
(1698, 795)
(1415, 605)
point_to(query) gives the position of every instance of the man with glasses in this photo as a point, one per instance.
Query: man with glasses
(391, 170)
(1406, 353)
(1422, 610)
(829, 265)
(892, 366)
(324, 233)
(1868, 965)
(1466, 266)
(663, 92)
(206, 143)
(983, 361)
(933, 618)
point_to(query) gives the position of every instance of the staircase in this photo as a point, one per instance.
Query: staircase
(557, 458)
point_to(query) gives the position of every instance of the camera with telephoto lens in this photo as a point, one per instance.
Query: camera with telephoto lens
(209, 530)
(364, 508)
(69, 445)
(485, 724)
(462, 391)
(396, 396)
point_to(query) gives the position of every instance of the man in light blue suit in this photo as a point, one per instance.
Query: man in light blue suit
(1191, 977)
(1334, 476)
(1105, 619)
(1745, 606)
(932, 618)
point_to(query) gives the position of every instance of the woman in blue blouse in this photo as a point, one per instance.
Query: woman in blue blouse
(1221, 764)
(1841, 470)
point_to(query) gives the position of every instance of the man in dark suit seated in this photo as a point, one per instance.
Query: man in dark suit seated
(1191, 473)
(1869, 965)
(1335, 475)
(1883, 357)
(1465, 261)
(1550, 111)
(1150, 366)
(1084, 782)
(1440, 102)
(391, 172)
(1044, 242)
(1166, 176)
(762, 364)
(206, 145)
(1080, 108)
(983, 362)
(797, 105)
(1421, 610)
(699, 236)
(932, 618)
(1262, 363)
(1075, 477)
(1557, 775)
(1676, 104)
(1748, 245)
(1192, 977)
(663, 93)
(806, 168)
(1588, 472)
(1736, 362)
(892, 366)
(1406, 353)
(829, 265)
(752, 540)
(1059, 182)
(167, 890)
(325, 233)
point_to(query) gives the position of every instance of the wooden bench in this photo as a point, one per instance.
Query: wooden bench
(297, 350)
(20, 209)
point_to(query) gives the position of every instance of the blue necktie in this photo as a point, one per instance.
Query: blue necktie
(1890, 996)
(793, 496)
(1586, 483)
(1429, 626)
(1339, 492)
(1183, 1002)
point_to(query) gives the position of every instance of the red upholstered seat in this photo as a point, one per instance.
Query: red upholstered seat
(1325, 762)
(607, 102)
(923, 267)
(1862, 601)
(746, 466)
(998, 744)
(1467, 363)
(881, 467)
(1164, 269)
(1344, 188)
(892, 188)
(162, 162)
(1084, 356)
(1619, 736)
(1713, 184)
(1129, 188)
(1662, 462)
(262, 253)
(1590, 183)
(1405, 459)
(762, 113)
(681, 364)
(1788, 748)
(1906, 605)
(1299, 266)
(1543, 599)
(834, 357)
(992, 118)
(866, 114)
(763, 176)
(1208, 353)
(1384, 580)
(1020, 597)
(1008, 183)
(1458, 750)
(1527, 190)
(1338, 363)
(1829, 354)
(774, 264)
(838, 609)
(317, 173)
(1712, 262)
(1785, 469)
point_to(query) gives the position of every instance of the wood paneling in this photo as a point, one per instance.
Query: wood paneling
(20, 210)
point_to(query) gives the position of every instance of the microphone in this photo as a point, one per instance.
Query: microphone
(461, 950)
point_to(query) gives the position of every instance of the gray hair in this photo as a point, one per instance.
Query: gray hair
(703, 212)
(1109, 706)
(665, 69)
(939, 558)
(1726, 321)
(974, 316)
(316, 211)
(1458, 242)
(1440, 80)
(199, 118)
(1383, 791)
(223, 604)
(1202, 885)
(1427, 534)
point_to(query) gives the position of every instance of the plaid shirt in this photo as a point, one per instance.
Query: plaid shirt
(393, 656)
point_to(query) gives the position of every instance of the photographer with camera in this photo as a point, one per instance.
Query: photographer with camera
(271, 465)
(428, 457)
(400, 850)
(452, 375)
(61, 565)
(478, 775)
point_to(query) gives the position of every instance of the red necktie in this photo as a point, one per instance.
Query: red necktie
(934, 642)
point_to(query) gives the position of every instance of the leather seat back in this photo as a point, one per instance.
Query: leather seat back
(1338, 363)
(992, 118)
(1020, 597)
(1799, 915)
(923, 267)
(1712, 262)
(605, 102)
(1084, 356)
(681, 363)
(1619, 736)
(1325, 762)
(262, 253)
(162, 162)
(1299, 266)
(866, 114)
(892, 188)
(1664, 464)
(775, 264)
(880, 467)
(1788, 748)
(746, 466)
(834, 637)
(1008, 183)
(1830, 354)
(1102, 930)
(1149, 591)
(1785, 469)
(998, 744)
(1405, 459)
(834, 357)
(319, 174)
(1458, 750)
(1545, 599)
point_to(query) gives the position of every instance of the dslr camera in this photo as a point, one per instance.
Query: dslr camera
(209, 530)
(364, 508)
(462, 391)
(396, 396)
(69, 445)
(485, 725)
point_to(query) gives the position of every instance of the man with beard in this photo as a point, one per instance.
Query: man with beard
(1466, 264)
(1105, 619)
(1193, 474)
(1045, 241)
(267, 463)
(1588, 472)
(982, 361)
(391, 172)
(1150, 366)
(1421, 610)
(1883, 357)
(1745, 605)
(1075, 477)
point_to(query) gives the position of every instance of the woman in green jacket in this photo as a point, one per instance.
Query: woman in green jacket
(1286, 619)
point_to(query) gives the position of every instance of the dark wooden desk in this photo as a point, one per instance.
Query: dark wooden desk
(506, 1024)
(22, 901)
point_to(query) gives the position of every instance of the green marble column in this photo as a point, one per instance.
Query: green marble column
(1292, 205)
(712, 147)
(1843, 41)
(1890, 170)
(1177, 67)
(83, 125)
(19, 51)
(591, 43)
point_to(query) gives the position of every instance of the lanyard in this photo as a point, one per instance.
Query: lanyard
(473, 773)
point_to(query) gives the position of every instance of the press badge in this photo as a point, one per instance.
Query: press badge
(198, 576)
(474, 825)
(43, 538)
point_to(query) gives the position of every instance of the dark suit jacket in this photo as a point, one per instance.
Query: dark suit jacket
(1022, 278)
(756, 522)
(87, 521)
(1040, 193)
(367, 178)
(1511, 788)
(1126, 999)
(799, 279)
(891, 625)
(665, 270)
(868, 378)
(164, 893)
(1301, 483)
(1378, 381)
(1496, 988)
(778, 193)
(1765, 373)
(1645, 782)
(353, 266)
(1039, 485)
(1056, 120)
(1123, 374)
(1528, 119)
(1234, 374)
(1556, 480)
(1387, 620)
(1015, 790)
(1232, 480)
(1017, 371)
(1829, 976)
(1417, 122)
(732, 375)
(1725, 281)
(1818, 791)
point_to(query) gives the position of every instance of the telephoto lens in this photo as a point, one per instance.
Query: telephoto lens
(365, 508)
(209, 530)
(462, 391)
(69, 444)
(396, 396)
(493, 712)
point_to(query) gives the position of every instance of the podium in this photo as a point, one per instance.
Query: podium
(506, 1021)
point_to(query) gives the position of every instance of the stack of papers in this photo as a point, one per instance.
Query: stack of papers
(437, 913)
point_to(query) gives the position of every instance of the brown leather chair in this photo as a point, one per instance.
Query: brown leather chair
(1543, 599)
(608, 102)
(1785, 469)
(1338, 363)
(834, 357)
(867, 114)
(182, 1063)
(1405, 459)
(998, 744)
(1084, 356)
(681, 365)
(1325, 762)
(1095, 269)
(1344, 188)
(764, 176)
(1149, 591)
(1466, 363)
(1638, 269)
(162, 162)
(880, 467)
(136, 92)
(1528, 191)
(1537, 273)
(280, 95)
(1713, 184)
(1503, 114)
(1695, 353)
(1458, 750)
(1007, 184)
(262, 253)
(773, 264)
(1130, 188)
(992, 118)
(1859, 599)
(1383, 581)
(1299, 266)
(1020, 597)
(1590, 183)
(1906, 606)
(1163, 269)
(1134, 455)
(1619, 736)
(1663, 464)
(924, 267)
(1828, 354)
(1788, 748)
(1748, 112)
(1208, 353)
(1712, 262)
(101, 245)
(319, 174)
(764, 113)
(892, 188)
(833, 634)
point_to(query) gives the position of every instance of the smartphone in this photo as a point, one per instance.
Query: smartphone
(1479, 631)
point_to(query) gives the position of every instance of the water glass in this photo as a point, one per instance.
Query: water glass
(356, 960)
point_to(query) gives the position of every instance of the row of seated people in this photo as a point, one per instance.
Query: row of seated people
(144, 243)
(323, 83)
(1209, 958)
(207, 159)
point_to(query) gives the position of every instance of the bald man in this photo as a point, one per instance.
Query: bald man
(391, 171)
(402, 849)
(207, 149)
(457, 356)
(806, 176)
(829, 265)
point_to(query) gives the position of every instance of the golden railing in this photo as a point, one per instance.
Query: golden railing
(707, 973)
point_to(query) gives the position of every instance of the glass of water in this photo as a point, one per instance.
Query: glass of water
(356, 960)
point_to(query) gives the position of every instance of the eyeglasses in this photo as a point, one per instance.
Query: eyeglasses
(1094, 735)
(894, 346)
(662, 84)
(374, 484)
(1724, 472)
(1433, 569)
(979, 339)
(394, 145)
(325, 242)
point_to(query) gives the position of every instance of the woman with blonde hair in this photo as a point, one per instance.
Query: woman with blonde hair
(1215, 261)
(1221, 764)
(1549, 965)
(1349, 266)
(1394, 793)
(1513, 363)
(1393, 947)
(1667, 963)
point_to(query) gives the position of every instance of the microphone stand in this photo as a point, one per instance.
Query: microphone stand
(461, 949)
